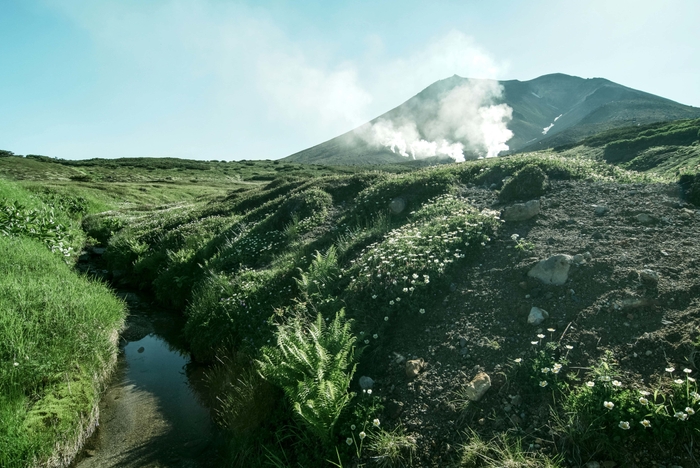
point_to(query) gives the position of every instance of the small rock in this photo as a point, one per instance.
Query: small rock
(648, 353)
(554, 270)
(463, 342)
(98, 250)
(644, 218)
(366, 382)
(522, 211)
(90, 453)
(517, 400)
(394, 409)
(399, 358)
(649, 276)
(397, 205)
(597, 235)
(141, 349)
(537, 316)
(507, 408)
(475, 389)
(578, 259)
(600, 210)
(414, 367)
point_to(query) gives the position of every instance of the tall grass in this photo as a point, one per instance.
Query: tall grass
(58, 336)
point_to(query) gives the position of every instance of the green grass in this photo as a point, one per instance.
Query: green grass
(251, 251)
(58, 337)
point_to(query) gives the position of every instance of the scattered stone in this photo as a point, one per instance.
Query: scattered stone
(648, 352)
(522, 211)
(645, 218)
(649, 276)
(516, 400)
(578, 259)
(463, 342)
(141, 349)
(397, 205)
(554, 270)
(475, 389)
(366, 382)
(394, 409)
(399, 358)
(597, 235)
(600, 210)
(90, 453)
(414, 367)
(537, 316)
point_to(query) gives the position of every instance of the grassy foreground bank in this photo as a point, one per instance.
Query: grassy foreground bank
(58, 334)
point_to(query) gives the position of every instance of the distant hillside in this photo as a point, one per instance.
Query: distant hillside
(548, 111)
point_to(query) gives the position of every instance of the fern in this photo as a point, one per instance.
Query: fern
(313, 364)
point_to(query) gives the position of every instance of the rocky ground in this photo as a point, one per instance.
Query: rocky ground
(632, 289)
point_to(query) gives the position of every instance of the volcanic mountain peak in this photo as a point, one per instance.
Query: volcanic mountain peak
(464, 118)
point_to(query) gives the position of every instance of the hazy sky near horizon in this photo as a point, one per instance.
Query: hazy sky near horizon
(215, 79)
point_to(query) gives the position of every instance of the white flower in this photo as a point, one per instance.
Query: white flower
(366, 341)
(670, 369)
(534, 342)
(352, 427)
(369, 391)
(551, 330)
(375, 423)
(375, 336)
(569, 347)
(374, 296)
(645, 423)
(398, 299)
(681, 416)
(540, 336)
(16, 364)
(544, 383)
(362, 435)
(391, 302)
(405, 289)
(545, 370)
(690, 411)
(422, 311)
(604, 378)
(609, 404)
(643, 401)
(687, 371)
(695, 395)
(518, 360)
(386, 319)
(644, 393)
(678, 381)
(590, 384)
(348, 441)
(617, 383)
(624, 425)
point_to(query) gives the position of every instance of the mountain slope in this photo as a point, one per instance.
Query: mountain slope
(547, 111)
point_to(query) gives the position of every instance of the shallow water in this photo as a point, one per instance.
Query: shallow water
(151, 415)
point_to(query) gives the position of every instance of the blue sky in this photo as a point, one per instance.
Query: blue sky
(214, 79)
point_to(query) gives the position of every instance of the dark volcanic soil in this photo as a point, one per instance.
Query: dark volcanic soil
(481, 325)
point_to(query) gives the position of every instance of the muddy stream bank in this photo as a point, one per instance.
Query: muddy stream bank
(153, 412)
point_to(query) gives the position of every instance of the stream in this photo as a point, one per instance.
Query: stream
(152, 414)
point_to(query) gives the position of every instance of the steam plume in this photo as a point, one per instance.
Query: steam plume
(466, 118)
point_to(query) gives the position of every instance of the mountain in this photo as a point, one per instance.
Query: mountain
(548, 111)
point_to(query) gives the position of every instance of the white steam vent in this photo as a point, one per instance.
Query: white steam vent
(466, 118)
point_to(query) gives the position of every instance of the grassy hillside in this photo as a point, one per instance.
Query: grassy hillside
(296, 281)
(58, 331)
(360, 252)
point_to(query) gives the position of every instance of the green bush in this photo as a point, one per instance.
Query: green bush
(528, 183)
(313, 364)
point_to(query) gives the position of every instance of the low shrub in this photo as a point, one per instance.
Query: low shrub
(528, 183)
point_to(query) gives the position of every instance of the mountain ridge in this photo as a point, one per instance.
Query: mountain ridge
(549, 110)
